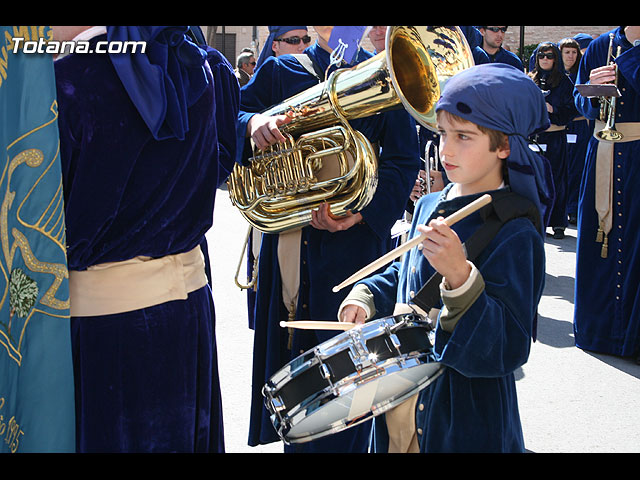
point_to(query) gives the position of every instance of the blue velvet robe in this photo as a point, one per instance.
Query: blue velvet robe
(607, 311)
(147, 380)
(472, 406)
(326, 258)
(560, 97)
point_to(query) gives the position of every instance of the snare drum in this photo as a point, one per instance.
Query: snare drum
(351, 378)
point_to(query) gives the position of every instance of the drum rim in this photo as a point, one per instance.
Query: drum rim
(337, 344)
(284, 427)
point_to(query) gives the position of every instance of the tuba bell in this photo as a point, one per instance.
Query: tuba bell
(323, 158)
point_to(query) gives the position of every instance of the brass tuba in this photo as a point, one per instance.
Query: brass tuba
(324, 159)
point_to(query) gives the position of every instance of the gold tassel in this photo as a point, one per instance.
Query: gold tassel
(291, 317)
(605, 248)
(599, 235)
(290, 342)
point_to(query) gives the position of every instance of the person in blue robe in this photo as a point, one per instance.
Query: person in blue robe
(607, 287)
(253, 243)
(487, 315)
(579, 131)
(326, 257)
(277, 32)
(145, 139)
(491, 49)
(549, 75)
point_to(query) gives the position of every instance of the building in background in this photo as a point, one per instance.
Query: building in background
(230, 40)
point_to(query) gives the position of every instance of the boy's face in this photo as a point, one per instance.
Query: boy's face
(465, 156)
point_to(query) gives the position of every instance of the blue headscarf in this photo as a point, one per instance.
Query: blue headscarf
(274, 32)
(583, 39)
(501, 97)
(164, 81)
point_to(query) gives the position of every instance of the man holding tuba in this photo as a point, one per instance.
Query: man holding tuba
(297, 269)
(607, 313)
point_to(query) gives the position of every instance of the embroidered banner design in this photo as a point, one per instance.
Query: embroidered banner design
(36, 371)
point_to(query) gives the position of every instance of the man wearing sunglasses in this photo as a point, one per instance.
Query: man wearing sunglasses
(491, 47)
(284, 40)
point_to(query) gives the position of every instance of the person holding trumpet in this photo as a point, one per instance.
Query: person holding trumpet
(486, 315)
(606, 309)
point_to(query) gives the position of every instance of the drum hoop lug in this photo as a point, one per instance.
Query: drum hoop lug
(358, 351)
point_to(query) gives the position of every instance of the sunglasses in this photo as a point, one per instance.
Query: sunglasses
(548, 55)
(497, 29)
(294, 40)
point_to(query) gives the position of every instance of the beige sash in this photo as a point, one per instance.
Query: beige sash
(401, 419)
(140, 282)
(401, 425)
(604, 178)
(289, 263)
(289, 243)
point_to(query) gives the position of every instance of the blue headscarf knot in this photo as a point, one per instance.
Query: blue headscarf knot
(164, 81)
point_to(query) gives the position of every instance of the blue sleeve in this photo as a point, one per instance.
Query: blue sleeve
(384, 288)
(480, 56)
(591, 59)
(255, 97)
(493, 337)
(629, 67)
(227, 98)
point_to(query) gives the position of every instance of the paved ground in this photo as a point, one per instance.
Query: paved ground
(570, 400)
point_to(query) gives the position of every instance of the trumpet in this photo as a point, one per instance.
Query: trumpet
(608, 103)
(431, 161)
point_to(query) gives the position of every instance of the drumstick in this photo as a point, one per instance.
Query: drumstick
(318, 325)
(395, 253)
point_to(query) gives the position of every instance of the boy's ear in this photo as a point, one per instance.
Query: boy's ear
(505, 149)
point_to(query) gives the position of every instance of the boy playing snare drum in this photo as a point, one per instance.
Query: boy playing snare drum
(487, 312)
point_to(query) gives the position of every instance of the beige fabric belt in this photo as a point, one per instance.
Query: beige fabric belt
(556, 128)
(289, 264)
(140, 282)
(401, 419)
(604, 177)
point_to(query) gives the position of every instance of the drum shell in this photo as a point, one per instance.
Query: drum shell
(351, 378)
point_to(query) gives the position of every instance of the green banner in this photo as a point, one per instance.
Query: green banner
(36, 371)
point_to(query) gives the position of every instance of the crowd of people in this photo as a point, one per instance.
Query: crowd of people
(145, 140)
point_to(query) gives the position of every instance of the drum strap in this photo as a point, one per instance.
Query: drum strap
(505, 206)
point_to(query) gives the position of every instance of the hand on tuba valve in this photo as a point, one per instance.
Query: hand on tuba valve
(265, 130)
